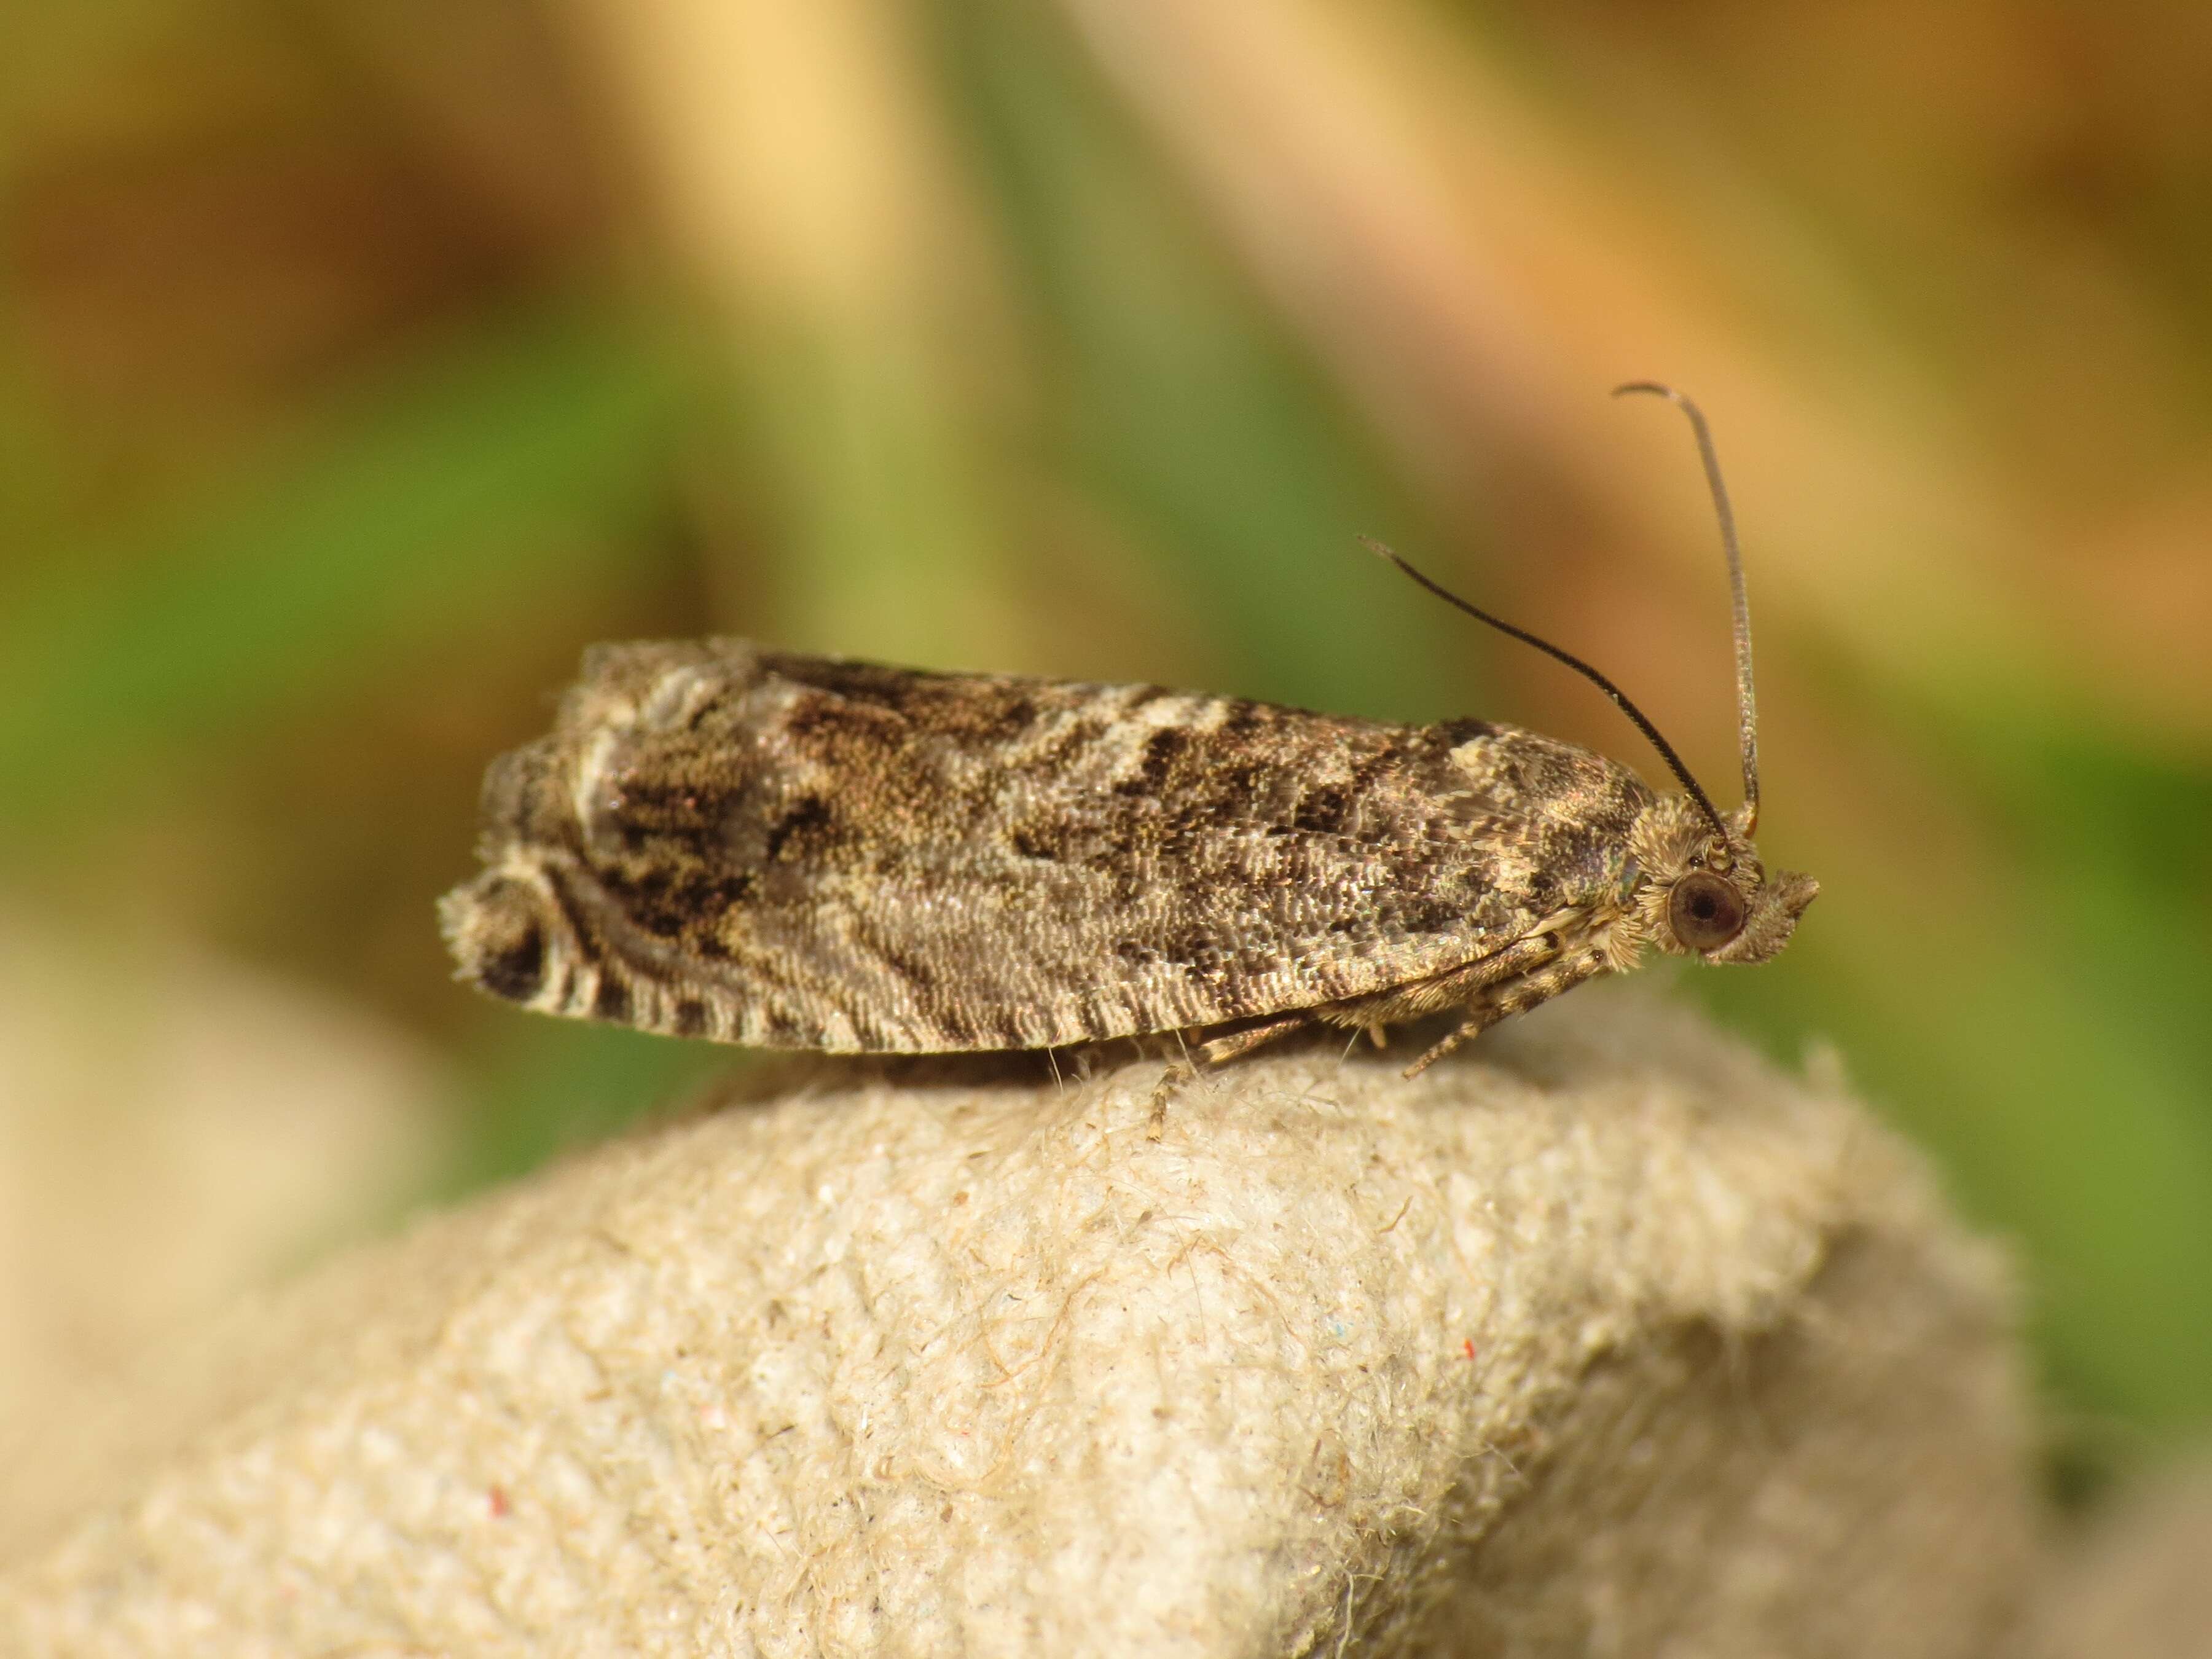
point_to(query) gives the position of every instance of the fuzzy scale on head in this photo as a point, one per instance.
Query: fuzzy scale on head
(1672, 839)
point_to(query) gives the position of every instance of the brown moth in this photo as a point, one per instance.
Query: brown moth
(722, 840)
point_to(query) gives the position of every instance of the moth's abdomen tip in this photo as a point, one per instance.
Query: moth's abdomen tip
(495, 928)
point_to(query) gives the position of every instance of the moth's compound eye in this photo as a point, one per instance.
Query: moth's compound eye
(1706, 910)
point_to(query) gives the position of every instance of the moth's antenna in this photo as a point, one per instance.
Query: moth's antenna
(1747, 702)
(1666, 749)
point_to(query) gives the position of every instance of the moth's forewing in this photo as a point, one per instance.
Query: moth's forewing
(798, 851)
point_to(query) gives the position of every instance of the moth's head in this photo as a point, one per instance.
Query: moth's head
(1695, 886)
(1707, 895)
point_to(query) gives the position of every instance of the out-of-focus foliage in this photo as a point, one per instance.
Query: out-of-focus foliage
(359, 365)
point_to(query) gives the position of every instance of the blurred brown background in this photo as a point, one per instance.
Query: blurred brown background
(361, 364)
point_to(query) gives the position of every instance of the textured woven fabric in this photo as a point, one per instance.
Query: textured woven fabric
(1602, 1338)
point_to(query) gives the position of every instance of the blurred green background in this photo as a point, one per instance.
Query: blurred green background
(362, 364)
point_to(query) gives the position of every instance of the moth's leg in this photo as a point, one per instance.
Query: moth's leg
(1518, 995)
(1218, 1051)
(1454, 988)
(1179, 1071)
(1473, 1025)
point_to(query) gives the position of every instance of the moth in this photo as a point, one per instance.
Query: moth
(720, 839)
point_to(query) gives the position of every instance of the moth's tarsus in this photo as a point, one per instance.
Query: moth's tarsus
(1179, 1073)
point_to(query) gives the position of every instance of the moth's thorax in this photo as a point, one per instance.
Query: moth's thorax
(1672, 844)
(1576, 846)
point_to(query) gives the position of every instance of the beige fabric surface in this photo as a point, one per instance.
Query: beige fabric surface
(1603, 1338)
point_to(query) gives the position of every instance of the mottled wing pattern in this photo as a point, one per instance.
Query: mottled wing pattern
(798, 851)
